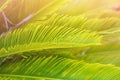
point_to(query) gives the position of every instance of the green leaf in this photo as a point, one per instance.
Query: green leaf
(56, 68)
(35, 36)
(81, 21)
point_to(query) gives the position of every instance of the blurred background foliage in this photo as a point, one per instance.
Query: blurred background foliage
(77, 7)
(103, 16)
(17, 10)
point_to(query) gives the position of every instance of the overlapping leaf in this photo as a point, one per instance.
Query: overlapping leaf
(35, 36)
(81, 21)
(59, 47)
(56, 68)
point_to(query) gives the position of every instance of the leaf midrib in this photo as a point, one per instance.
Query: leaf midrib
(51, 46)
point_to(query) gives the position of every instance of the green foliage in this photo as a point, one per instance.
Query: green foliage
(81, 21)
(56, 68)
(23, 11)
(45, 44)
(35, 36)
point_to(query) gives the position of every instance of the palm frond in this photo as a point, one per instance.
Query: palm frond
(57, 68)
(54, 45)
(35, 36)
(81, 21)
(92, 54)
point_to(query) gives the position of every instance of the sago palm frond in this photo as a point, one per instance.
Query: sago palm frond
(55, 68)
(58, 46)
(81, 21)
(35, 36)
